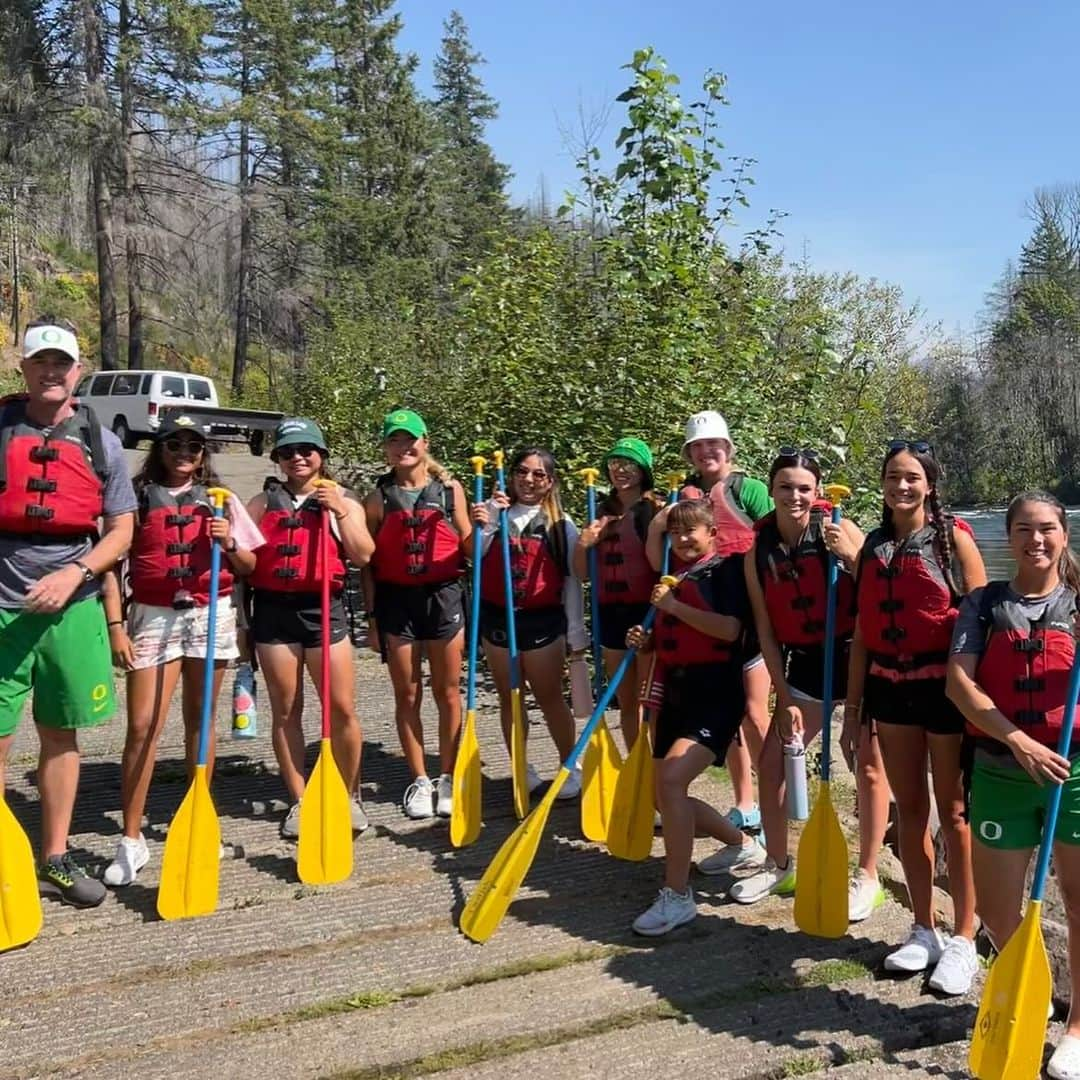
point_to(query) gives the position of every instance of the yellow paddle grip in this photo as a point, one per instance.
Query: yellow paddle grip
(669, 580)
(323, 482)
(589, 476)
(674, 479)
(478, 464)
(836, 493)
(498, 457)
(218, 495)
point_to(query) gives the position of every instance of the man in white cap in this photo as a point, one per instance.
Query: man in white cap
(67, 511)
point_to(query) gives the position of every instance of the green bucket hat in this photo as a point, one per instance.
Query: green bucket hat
(636, 451)
(404, 420)
(297, 429)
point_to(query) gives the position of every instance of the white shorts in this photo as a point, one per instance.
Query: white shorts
(753, 662)
(162, 634)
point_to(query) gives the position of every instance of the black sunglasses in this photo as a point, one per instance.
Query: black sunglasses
(296, 450)
(916, 446)
(180, 446)
(795, 452)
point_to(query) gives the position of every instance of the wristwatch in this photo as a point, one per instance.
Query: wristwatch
(88, 575)
(231, 549)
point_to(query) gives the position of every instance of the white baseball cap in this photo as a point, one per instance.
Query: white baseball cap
(706, 425)
(41, 339)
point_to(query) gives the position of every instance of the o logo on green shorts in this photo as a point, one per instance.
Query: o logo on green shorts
(990, 830)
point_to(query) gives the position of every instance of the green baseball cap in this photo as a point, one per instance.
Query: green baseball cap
(636, 451)
(404, 420)
(298, 429)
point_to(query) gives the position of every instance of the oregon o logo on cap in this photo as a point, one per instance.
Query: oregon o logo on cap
(400, 418)
(51, 335)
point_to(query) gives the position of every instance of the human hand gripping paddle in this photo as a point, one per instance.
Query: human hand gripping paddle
(821, 883)
(632, 822)
(324, 850)
(602, 761)
(191, 862)
(465, 815)
(518, 761)
(489, 900)
(1010, 1028)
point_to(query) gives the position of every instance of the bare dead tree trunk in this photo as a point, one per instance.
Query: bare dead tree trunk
(131, 213)
(243, 270)
(16, 265)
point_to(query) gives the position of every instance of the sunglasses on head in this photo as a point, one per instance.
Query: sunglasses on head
(916, 446)
(296, 450)
(181, 446)
(796, 452)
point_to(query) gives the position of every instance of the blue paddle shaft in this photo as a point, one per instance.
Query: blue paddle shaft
(474, 602)
(594, 596)
(830, 655)
(1053, 801)
(211, 636)
(508, 584)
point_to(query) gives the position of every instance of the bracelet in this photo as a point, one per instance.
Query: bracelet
(115, 622)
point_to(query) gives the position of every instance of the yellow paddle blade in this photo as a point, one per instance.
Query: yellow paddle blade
(821, 883)
(518, 757)
(324, 851)
(630, 828)
(599, 774)
(1010, 1030)
(504, 875)
(189, 867)
(465, 816)
(20, 905)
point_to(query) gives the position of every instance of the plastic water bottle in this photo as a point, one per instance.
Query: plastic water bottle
(244, 724)
(580, 691)
(798, 801)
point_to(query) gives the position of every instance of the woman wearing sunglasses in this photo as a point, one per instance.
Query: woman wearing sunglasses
(737, 501)
(787, 579)
(286, 622)
(419, 517)
(910, 576)
(166, 632)
(548, 606)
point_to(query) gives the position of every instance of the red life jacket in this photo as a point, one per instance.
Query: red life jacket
(171, 548)
(1025, 665)
(538, 567)
(626, 576)
(51, 485)
(734, 527)
(906, 606)
(795, 582)
(677, 643)
(417, 543)
(291, 559)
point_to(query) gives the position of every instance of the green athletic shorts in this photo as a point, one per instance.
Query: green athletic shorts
(1008, 807)
(64, 659)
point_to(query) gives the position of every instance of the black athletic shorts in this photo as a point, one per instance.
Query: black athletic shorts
(913, 702)
(534, 629)
(280, 618)
(805, 668)
(704, 703)
(420, 612)
(616, 620)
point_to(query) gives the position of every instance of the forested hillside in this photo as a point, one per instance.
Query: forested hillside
(258, 189)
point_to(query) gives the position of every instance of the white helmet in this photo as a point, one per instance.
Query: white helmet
(707, 425)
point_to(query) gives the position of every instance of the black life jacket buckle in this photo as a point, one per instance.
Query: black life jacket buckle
(286, 572)
(1028, 645)
(891, 605)
(415, 547)
(1032, 684)
(416, 568)
(179, 572)
(41, 483)
(183, 601)
(1029, 717)
(179, 549)
(293, 522)
(179, 519)
(288, 549)
(414, 521)
(893, 633)
(41, 455)
(813, 626)
(802, 603)
(43, 512)
(613, 558)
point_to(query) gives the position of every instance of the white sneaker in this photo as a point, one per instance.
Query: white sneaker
(865, 896)
(359, 816)
(533, 778)
(733, 857)
(671, 909)
(419, 801)
(957, 967)
(444, 795)
(770, 880)
(131, 856)
(1064, 1063)
(571, 788)
(290, 825)
(922, 948)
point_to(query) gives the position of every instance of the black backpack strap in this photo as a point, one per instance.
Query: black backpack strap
(8, 419)
(735, 483)
(643, 512)
(91, 428)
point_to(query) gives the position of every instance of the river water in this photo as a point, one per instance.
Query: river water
(989, 528)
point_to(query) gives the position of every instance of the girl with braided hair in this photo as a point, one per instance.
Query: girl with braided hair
(907, 595)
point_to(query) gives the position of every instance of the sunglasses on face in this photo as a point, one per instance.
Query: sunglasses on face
(536, 474)
(795, 452)
(183, 446)
(917, 446)
(622, 465)
(299, 450)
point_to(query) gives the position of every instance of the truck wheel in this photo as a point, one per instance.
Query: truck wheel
(128, 439)
(256, 443)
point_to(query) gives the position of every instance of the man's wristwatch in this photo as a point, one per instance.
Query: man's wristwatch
(88, 575)
(231, 548)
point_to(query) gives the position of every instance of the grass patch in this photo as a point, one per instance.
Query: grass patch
(372, 999)
(803, 1065)
(719, 773)
(828, 972)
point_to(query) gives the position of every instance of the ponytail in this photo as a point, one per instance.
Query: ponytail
(941, 523)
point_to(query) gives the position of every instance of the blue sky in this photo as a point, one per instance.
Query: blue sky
(903, 141)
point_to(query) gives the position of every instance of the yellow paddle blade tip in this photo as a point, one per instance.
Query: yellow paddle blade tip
(478, 462)
(589, 475)
(836, 493)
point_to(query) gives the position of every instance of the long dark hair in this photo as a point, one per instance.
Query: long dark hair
(798, 460)
(153, 469)
(552, 504)
(939, 519)
(1068, 564)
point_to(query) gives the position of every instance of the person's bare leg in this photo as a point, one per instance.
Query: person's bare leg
(445, 659)
(283, 669)
(58, 781)
(403, 660)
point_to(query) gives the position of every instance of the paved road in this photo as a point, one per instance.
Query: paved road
(371, 979)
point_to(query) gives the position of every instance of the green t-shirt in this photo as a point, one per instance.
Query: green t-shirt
(753, 497)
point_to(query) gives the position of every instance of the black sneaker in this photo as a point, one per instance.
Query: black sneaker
(62, 876)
